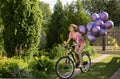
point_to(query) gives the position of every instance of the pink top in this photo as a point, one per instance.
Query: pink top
(77, 37)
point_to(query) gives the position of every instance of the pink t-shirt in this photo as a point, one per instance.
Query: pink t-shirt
(77, 37)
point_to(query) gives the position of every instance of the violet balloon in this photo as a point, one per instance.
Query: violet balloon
(99, 14)
(90, 25)
(99, 22)
(82, 29)
(96, 34)
(103, 32)
(91, 37)
(109, 24)
(104, 16)
(103, 26)
(94, 16)
(96, 29)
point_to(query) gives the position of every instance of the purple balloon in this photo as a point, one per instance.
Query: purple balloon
(91, 37)
(103, 26)
(99, 22)
(104, 16)
(90, 25)
(82, 29)
(96, 34)
(96, 29)
(94, 16)
(99, 15)
(109, 24)
(103, 32)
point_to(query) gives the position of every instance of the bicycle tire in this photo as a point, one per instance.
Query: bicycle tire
(57, 71)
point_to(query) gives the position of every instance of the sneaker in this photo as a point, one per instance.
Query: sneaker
(85, 63)
(81, 66)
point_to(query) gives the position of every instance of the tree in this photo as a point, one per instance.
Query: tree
(56, 23)
(22, 21)
(111, 6)
(62, 18)
(95, 6)
(73, 13)
(114, 11)
(46, 12)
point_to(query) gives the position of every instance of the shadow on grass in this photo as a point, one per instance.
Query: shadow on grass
(101, 70)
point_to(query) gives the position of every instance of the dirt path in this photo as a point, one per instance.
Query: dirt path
(96, 60)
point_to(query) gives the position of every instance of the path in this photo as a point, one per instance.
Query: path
(116, 75)
(96, 60)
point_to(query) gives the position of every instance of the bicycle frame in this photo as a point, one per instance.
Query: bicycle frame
(72, 53)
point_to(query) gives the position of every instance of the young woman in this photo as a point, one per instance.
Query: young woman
(79, 43)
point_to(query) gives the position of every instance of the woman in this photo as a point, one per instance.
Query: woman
(80, 44)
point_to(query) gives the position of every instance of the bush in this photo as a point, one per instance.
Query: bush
(57, 51)
(12, 68)
(22, 25)
(90, 50)
(38, 66)
(42, 64)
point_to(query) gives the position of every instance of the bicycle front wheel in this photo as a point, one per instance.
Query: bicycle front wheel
(64, 67)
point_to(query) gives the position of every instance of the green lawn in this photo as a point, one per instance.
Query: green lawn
(53, 74)
(95, 56)
(102, 70)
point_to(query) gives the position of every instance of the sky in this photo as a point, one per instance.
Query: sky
(52, 2)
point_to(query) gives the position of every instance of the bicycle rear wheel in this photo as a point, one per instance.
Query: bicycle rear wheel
(64, 67)
(86, 63)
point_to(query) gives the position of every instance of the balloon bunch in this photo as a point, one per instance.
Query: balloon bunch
(97, 27)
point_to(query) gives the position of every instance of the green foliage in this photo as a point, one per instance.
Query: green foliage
(57, 51)
(12, 68)
(22, 21)
(90, 50)
(62, 18)
(46, 12)
(73, 13)
(42, 64)
(2, 52)
(92, 6)
(16, 67)
(57, 21)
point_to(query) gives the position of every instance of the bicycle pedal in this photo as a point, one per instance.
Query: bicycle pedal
(85, 63)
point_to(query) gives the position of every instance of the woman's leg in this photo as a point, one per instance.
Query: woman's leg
(76, 53)
(80, 52)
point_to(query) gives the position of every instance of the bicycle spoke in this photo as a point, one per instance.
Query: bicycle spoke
(65, 67)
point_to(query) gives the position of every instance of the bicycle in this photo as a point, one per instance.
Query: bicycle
(65, 65)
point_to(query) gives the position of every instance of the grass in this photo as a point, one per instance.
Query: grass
(95, 56)
(102, 70)
(53, 75)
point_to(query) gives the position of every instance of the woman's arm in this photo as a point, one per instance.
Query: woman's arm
(78, 41)
(68, 40)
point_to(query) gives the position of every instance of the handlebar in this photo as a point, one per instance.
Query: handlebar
(69, 46)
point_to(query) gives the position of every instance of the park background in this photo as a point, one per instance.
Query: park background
(32, 27)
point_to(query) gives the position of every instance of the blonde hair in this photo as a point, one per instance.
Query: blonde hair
(74, 26)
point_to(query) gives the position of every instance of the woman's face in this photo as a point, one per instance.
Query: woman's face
(71, 29)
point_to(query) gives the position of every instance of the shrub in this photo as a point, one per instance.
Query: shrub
(90, 50)
(42, 64)
(22, 25)
(57, 51)
(12, 68)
